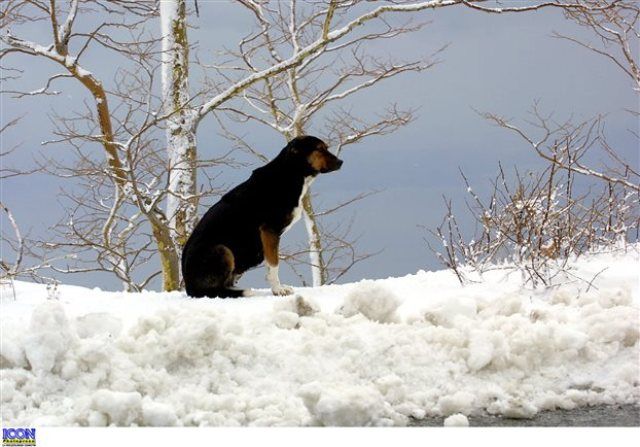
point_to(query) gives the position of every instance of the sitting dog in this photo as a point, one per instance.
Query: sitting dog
(244, 227)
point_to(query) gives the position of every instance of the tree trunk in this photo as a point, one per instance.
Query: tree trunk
(169, 258)
(319, 272)
(181, 127)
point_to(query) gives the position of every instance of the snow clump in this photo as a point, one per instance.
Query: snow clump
(456, 420)
(358, 406)
(374, 301)
(49, 336)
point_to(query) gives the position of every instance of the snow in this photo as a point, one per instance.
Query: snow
(120, 408)
(456, 420)
(372, 300)
(340, 405)
(372, 353)
(47, 338)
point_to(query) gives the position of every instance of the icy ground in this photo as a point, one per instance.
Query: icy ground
(368, 353)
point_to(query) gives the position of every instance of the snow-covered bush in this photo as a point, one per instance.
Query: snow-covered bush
(537, 221)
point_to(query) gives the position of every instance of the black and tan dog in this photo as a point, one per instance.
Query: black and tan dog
(244, 227)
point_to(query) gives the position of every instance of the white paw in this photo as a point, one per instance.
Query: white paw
(282, 290)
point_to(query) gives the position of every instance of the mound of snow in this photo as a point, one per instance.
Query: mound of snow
(326, 356)
(157, 414)
(49, 336)
(289, 310)
(347, 406)
(456, 420)
(373, 300)
(117, 407)
(97, 324)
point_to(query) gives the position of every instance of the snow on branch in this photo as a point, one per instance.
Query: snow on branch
(326, 37)
(313, 48)
(581, 5)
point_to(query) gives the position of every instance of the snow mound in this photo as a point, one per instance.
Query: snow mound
(98, 324)
(117, 407)
(456, 420)
(288, 311)
(347, 406)
(94, 358)
(49, 336)
(374, 301)
(460, 402)
(156, 414)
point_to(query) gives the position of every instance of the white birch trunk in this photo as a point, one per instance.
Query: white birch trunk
(181, 126)
(319, 274)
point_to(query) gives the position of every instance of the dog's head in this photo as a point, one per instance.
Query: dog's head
(312, 155)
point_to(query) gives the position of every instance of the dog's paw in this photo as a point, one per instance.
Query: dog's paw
(282, 290)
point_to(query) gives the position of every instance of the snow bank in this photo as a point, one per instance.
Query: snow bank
(369, 353)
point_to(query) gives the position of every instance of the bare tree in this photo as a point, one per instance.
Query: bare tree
(14, 242)
(286, 52)
(22, 248)
(565, 145)
(539, 225)
(293, 101)
(616, 29)
(102, 216)
(12, 270)
(536, 224)
(134, 192)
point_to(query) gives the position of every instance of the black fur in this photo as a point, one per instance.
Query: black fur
(226, 241)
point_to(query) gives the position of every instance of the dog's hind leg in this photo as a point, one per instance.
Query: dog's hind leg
(217, 275)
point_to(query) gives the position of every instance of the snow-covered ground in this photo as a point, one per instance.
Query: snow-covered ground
(367, 353)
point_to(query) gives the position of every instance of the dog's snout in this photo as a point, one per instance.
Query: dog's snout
(339, 163)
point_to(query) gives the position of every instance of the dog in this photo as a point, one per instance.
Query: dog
(243, 229)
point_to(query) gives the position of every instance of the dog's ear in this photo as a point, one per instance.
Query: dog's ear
(293, 147)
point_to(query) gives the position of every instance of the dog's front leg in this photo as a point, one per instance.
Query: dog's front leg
(270, 242)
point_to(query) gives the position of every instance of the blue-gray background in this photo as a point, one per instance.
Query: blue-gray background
(494, 63)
